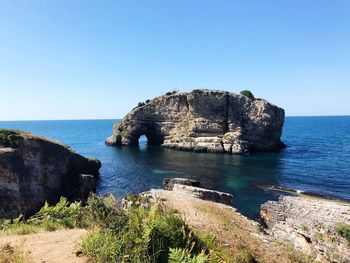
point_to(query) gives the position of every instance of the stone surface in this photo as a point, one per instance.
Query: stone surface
(310, 225)
(34, 169)
(168, 184)
(204, 194)
(204, 121)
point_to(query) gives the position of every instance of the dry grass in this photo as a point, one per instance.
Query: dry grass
(232, 236)
(10, 254)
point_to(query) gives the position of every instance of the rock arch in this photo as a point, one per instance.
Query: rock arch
(150, 130)
(204, 121)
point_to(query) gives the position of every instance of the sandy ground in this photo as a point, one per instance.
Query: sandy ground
(48, 247)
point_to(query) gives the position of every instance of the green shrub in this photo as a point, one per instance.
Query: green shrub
(344, 231)
(171, 92)
(248, 94)
(62, 215)
(103, 212)
(196, 91)
(177, 255)
(148, 101)
(102, 246)
(6, 137)
(135, 235)
(141, 235)
(140, 104)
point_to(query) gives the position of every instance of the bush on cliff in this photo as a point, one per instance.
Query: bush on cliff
(196, 91)
(248, 94)
(6, 137)
(140, 104)
(171, 92)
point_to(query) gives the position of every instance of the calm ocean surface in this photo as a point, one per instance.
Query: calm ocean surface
(317, 160)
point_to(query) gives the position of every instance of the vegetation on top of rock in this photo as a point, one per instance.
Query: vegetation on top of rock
(6, 137)
(140, 104)
(344, 231)
(148, 101)
(248, 94)
(196, 91)
(171, 92)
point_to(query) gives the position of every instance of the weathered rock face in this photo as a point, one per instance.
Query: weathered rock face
(204, 121)
(309, 225)
(168, 183)
(34, 169)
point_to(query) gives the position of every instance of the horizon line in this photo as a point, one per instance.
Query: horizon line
(106, 119)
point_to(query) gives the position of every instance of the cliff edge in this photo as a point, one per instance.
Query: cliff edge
(34, 169)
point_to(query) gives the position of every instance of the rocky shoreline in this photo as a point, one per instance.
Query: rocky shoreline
(310, 224)
(34, 170)
(306, 223)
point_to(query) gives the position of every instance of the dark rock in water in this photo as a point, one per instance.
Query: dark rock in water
(34, 169)
(204, 121)
(168, 183)
(87, 184)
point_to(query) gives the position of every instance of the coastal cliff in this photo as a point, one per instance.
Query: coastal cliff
(204, 121)
(34, 169)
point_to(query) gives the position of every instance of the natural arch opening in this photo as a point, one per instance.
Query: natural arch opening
(147, 134)
(143, 142)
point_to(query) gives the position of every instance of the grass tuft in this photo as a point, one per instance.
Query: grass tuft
(344, 231)
(10, 254)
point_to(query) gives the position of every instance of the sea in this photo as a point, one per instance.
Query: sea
(317, 161)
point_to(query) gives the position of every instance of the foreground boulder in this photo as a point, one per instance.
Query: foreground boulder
(34, 169)
(204, 121)
(310, 225)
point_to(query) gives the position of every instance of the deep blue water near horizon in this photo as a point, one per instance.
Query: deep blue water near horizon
(316, 160)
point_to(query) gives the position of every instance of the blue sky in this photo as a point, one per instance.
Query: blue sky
(98, 59)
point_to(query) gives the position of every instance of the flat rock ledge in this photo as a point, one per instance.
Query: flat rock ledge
(204, 194)
(190, 187)
(168, 184)
(183, 188)
(204, 121)
(309, 224)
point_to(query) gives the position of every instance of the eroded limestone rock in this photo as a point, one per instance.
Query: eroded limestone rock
(34, 169)
(204, 121)
(168, 184)
(310, 225)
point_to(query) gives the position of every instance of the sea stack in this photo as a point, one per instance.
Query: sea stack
(204, 121)
(34, 169)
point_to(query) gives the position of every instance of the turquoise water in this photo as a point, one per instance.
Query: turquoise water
(317, 160)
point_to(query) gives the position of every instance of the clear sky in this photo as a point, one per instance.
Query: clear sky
(97, 59)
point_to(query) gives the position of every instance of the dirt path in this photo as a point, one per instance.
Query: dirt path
(233, 231)
(48, 247)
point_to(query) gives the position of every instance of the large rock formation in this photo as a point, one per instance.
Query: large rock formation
(34, 170)
(204, 121)
(310, 225)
